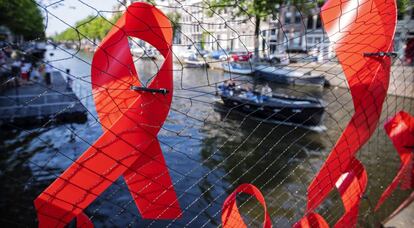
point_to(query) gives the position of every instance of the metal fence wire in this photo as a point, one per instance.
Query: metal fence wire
(253, 103)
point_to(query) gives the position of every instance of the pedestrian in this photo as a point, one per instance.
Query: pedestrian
(48, 74)
(25, 71)
(15, 68)
(34, 73)
(68, 80)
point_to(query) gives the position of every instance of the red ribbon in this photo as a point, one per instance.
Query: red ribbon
(351, 186)
(356, 28)
(362, 33)
(230, 216)
(130, 120)
(312, 220)
(400, 129)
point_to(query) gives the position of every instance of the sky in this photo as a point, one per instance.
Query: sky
(71, 11)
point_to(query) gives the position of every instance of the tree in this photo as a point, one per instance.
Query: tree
(22, 17)
(175, 21)
(91, 27)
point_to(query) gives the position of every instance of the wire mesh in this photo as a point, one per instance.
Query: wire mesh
(209, 148)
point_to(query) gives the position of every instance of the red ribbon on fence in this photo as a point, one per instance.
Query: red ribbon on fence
(131, 117)
(230, 215)
(362, 33)
(351, 186)
(313, 220)
(400, 129)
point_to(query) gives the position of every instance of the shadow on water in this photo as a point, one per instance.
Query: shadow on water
(257, 151)
(20, 179)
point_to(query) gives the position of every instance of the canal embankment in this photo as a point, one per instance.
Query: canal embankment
(35, 103)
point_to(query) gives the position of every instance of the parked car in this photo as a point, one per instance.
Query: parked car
(238, 56)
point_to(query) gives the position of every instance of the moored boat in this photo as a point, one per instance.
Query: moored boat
(308, 112)
(286, 75)
(237, 68)
(193, 62)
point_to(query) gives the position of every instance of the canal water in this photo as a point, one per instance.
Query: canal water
(208, 153)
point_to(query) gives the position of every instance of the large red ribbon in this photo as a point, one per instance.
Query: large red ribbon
(230, 215)
(400, 129)
(351, 186)
(130, 120)
(362, 33)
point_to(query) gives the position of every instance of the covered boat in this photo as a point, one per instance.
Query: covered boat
(308, 112)
(193, 61)
(286, 75)
(237, 68)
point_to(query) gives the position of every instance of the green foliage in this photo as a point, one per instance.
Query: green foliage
(250, 8)
(175, 21)
(263, 8)
(92, 27)
(403, 5)
(22, 17)
(204, 36)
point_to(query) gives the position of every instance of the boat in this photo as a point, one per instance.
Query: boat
(237, 68)
(193, 62)
(306, 112)
(286, 75)
(144, 53)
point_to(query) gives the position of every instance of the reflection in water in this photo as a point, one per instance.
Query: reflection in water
(207, 155)
(262, 154)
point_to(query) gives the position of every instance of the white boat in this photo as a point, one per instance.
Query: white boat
(193, 61)
(237, 68)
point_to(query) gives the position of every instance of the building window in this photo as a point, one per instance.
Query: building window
(318, 23)
(287, 20)
(273, 32)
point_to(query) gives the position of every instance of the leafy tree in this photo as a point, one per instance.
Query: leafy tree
(403, 6)
(91, 27)
(22, 17)
(175, 21)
